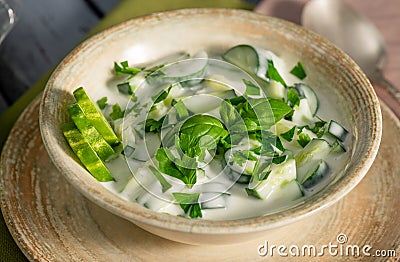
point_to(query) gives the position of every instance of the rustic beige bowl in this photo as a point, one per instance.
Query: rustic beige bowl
(150, 37)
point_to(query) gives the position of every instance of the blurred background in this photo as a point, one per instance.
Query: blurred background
(48, 29)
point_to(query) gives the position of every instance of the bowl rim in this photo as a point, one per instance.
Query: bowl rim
(139, 214)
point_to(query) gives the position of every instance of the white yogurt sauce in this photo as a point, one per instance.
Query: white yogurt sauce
(238, 204)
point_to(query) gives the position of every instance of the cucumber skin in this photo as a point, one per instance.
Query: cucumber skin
(85, 153)
(95, 116)
(251, 69)
(90, 133)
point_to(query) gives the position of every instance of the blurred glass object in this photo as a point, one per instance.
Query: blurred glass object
(8, 17)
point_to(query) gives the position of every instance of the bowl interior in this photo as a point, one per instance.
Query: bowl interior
(145, 39)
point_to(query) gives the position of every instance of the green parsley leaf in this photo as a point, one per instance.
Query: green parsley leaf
(288, 136)
(169, 165)
(273, 74)
(154, 126)
(164, 183)
(116, 112)
(102, 102)
(189, 203)
(298, 71)
(251, 89)
(304, 139)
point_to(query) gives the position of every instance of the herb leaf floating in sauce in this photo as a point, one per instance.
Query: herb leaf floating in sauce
(203, 138)
(298, 71)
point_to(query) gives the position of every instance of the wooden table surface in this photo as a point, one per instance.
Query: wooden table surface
(49, 29)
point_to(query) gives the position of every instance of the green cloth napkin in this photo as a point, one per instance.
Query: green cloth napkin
(127, 9)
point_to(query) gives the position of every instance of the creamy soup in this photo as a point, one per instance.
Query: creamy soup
(231, 136)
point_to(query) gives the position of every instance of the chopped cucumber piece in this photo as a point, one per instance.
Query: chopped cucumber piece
(95, 116)
(338, 148)
(306, 160)
(337, 130)
(315, 174)
(302, 114)
(243, 56)
(279, 176)
(275, 90)
(85, 153)
(308, 93)
(199, 104)
(212, 200)
(90, 133)
(187, 72)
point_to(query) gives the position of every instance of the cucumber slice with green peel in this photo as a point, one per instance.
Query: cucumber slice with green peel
(243, 56)
(85, 153)
(188, 72)
(308, 93)
(279, 176)
(315, 174)
(338, 131)
(316, 149)
(286, 193)
(302, 114)
(275, 90)
(212, 200)
(95, 116)
(90, 133)
(312, 153)
(338, 148)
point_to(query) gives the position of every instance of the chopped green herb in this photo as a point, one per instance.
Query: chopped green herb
(116, 112)
(293, 97)
(279, 159)
(102, 102)
(123, 68)
(318, 128)
(241, 156)
(273, 74)
(154, 126)
(304, 139)
(204, 125)
(298, 71)
(251, 89)
(164, 183)
(168, 165)
(189, 203)
(125, 88)
(279, 145)
(288, 135)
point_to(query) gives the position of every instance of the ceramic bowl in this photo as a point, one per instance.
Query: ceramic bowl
(147, 38)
